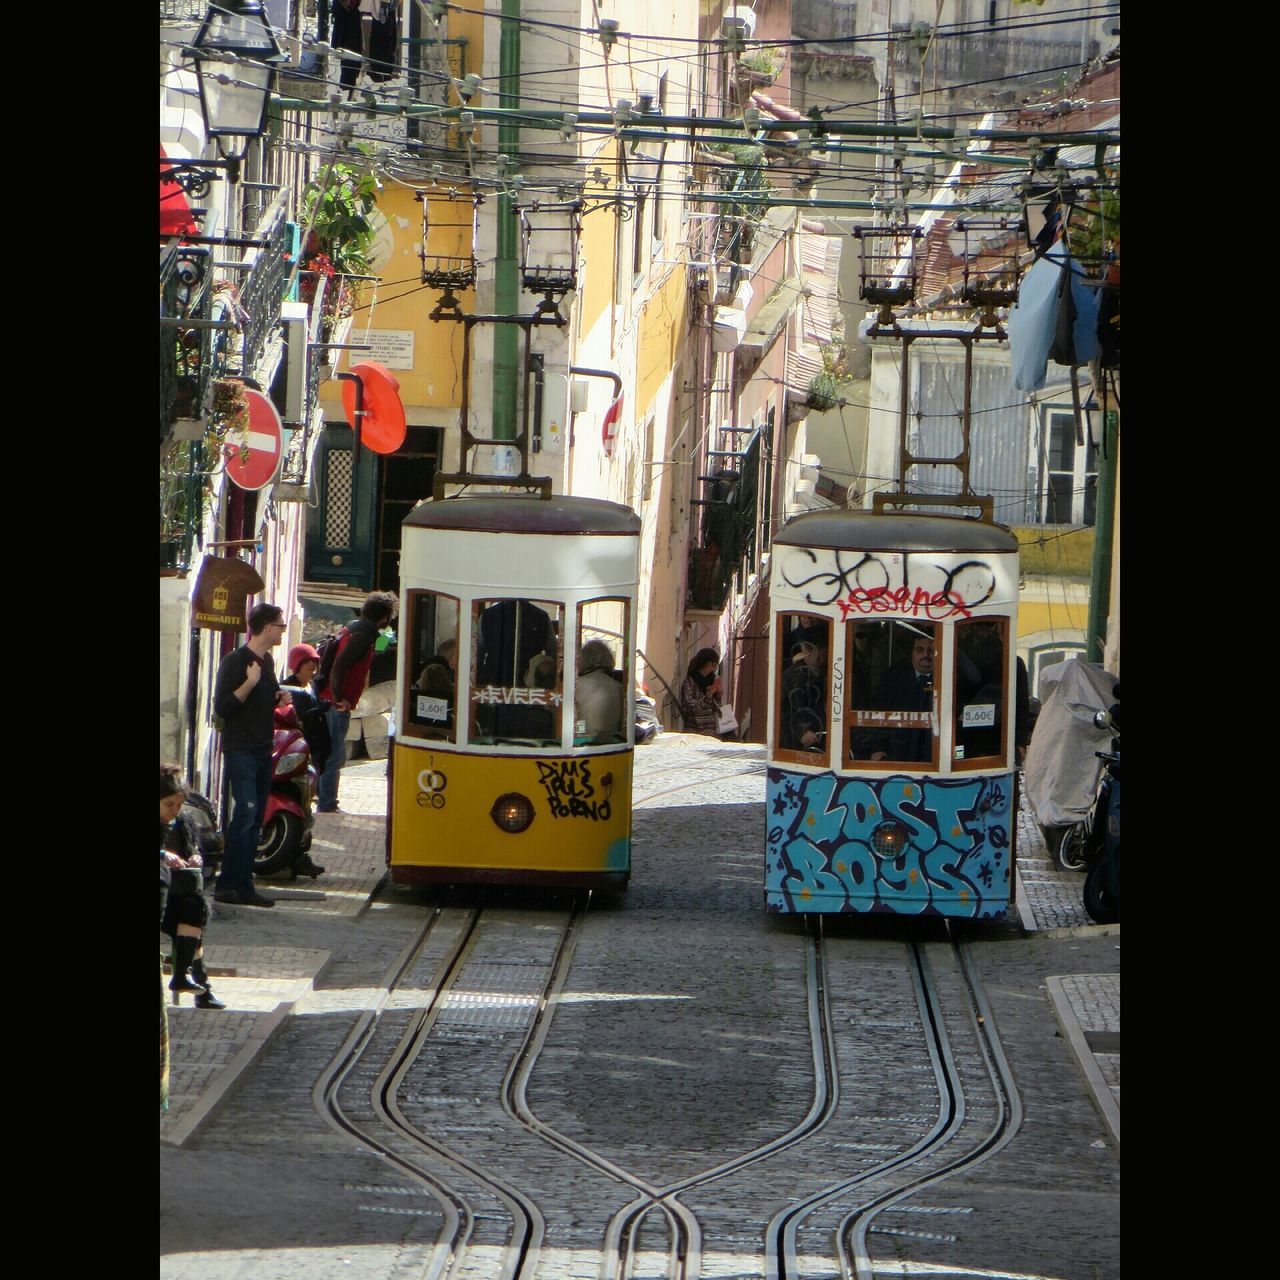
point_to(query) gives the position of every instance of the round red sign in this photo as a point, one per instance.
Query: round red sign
(259, 464)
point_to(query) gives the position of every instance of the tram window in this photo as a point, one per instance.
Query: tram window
(602, 672)
(980, 690)
(430, 644)
(517, 688)
(804, 664)
(892, 718)
(432, 663)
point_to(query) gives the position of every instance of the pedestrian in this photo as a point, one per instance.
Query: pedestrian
(343, 684)
(184, 914)
(245, 696)
(310, 714)
(700, 694)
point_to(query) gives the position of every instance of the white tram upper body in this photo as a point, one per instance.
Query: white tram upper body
(515, 695)
(892, 684)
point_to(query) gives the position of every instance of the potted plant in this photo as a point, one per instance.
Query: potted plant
(824, 392)
(760, 66)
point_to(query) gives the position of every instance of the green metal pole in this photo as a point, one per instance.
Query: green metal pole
(506, 282)
(1103, 536)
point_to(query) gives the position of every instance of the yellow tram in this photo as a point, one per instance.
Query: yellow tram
(893, 685)
(515, 693)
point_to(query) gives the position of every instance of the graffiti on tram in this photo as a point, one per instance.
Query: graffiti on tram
(866, 583)
(824, 830)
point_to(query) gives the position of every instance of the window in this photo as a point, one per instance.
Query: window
(981, 695)
(1068, 487)
(432, 641)
(892, 701)
(602, 673)
(639, 236)
(517, 680)
(804, 666)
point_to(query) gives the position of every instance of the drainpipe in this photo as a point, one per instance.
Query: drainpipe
(1103, 533)
(506, 279)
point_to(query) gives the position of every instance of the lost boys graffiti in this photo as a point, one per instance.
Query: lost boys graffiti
(821, 854)
(869, 583)
(571, 792)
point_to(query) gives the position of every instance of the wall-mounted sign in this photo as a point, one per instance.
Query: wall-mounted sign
(223, 585)
(391, 347)
(253, 461)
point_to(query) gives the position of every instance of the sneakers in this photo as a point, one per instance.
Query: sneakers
(335, 809)
(243, 898)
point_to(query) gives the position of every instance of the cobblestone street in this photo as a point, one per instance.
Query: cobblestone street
(679, 1042)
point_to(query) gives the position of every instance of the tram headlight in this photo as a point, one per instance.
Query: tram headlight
(512, 812)
(889, 839)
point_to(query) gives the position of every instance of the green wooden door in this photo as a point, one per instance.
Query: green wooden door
(340, 531)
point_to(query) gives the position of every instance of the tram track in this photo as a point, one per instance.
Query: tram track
(447, 1256)
(402, 1139)
(404, 1144)
(903, 1174)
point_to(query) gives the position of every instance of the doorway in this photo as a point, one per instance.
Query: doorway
(353, 534)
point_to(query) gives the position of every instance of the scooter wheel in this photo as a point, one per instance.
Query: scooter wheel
(1068, 854)
(279, 844)
(1102, 905)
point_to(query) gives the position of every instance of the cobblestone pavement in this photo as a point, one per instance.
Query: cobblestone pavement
(653, 1059)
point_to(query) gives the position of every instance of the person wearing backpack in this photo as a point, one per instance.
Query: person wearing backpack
(311, 714)
(344, 672)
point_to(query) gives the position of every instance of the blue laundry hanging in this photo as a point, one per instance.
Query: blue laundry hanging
(1052, 321)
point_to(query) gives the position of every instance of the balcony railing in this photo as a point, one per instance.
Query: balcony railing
(263, 288)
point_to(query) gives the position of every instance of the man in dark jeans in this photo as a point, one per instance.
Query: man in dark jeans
(343, 685)
(244, 698)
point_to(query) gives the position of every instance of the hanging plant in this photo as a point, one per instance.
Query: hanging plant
(228, 416)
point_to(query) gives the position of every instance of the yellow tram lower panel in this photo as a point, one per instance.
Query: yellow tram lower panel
(441, 828)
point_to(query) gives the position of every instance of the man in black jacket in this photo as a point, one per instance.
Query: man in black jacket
(908, 689)
(244, 699)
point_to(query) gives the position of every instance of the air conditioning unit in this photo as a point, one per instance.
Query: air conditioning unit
(293, 317)
(727, 329)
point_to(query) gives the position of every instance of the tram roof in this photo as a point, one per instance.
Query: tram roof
(893, 531)
(524, 513)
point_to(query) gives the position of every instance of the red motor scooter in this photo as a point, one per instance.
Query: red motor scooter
(289, 816)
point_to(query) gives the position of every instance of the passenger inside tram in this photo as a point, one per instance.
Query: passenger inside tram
(897, 725)
(516, 681)
(803, 717)
(599, 698)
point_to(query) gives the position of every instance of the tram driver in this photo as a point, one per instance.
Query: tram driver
(903, 687)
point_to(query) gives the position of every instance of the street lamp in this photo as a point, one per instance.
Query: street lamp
(234, 52)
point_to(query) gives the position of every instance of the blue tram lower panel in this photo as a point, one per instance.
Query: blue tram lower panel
(895, 844)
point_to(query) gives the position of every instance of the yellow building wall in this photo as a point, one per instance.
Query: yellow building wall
(597, 245)
(1062, 616)
(402, 302)
(662, 328)
(1046, 550)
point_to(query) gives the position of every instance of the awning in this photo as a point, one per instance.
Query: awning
(176, 218)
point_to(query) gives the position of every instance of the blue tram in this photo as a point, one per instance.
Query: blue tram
(892, 686)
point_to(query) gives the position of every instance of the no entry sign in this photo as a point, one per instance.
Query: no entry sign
(259, 465)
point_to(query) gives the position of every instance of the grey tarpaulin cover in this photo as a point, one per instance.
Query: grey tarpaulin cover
(1061, 771)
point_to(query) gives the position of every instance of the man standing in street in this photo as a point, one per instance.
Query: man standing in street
(244, 699)
(345, 682)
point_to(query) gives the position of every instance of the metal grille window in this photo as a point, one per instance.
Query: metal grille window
(340, 495)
